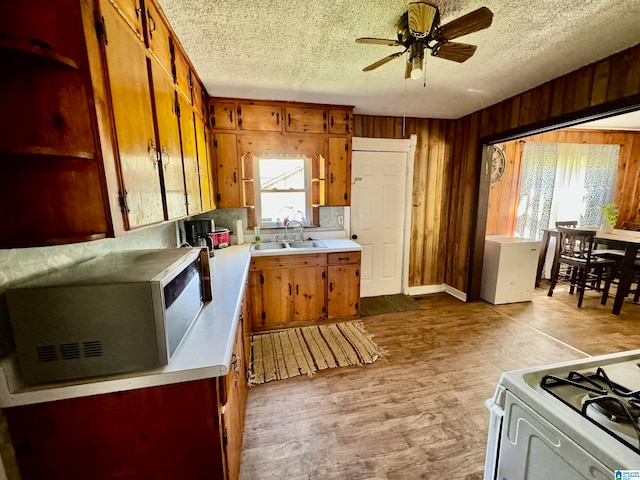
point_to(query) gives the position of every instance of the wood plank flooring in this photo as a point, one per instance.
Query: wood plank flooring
(419, 413)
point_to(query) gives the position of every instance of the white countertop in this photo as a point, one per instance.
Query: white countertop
(205, 351)
(331, 246)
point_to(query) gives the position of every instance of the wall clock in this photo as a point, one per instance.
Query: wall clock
(498, 165)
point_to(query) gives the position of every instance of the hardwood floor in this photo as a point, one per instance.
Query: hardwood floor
(419, 412)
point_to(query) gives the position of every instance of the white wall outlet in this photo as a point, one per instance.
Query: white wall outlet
(340, 220)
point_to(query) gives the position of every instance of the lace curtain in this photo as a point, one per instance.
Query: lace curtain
(564, 181)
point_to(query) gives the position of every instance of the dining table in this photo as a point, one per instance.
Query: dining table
(627, 240)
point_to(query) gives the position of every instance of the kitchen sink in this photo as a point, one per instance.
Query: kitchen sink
(284, 245)
(307, 244)
(269, 246)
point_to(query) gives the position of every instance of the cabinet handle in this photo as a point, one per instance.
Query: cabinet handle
(290, 291)
(235, 177)
(151, 28)
(234, 358)
(297, 292)
(277, 119)
(289, 118)
(153, 152)
(331, 121)
(331, 286)
(164, 154)
(331, 178)
(230, 116)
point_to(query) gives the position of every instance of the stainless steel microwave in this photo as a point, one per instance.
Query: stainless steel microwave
(121, 312)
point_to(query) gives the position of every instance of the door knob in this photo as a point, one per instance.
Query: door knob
(354, 237)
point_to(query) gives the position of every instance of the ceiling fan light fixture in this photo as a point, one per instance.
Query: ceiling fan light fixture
(416, 67)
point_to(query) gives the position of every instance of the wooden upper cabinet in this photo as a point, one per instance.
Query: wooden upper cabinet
(159, 38)
(305, 120)
(169, 150)
(190, 157)
(225, 152)
(197, 95)
(132, 13)
(222, 115)
(133, 119)
(43, 27)
(265, 118)
(338, 174)
(183, 74)
(340, 122)
(207, 192)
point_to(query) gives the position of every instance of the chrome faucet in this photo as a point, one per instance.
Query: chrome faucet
(299, 229)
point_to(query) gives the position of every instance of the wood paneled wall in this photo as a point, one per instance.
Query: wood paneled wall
(612, 81)
(503, 199)
(430, 188)
(448, 226)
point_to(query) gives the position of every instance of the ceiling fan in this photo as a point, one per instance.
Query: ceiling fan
(419, 29)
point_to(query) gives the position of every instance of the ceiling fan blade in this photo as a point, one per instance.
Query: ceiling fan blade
(379, 63)
(378, 41)
(421, 17)
(471, 22)
(457, 52)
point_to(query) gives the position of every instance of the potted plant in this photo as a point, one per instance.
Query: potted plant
(610, 212)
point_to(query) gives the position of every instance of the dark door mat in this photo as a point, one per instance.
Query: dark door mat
(387, 304)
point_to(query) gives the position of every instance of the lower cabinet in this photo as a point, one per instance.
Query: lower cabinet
(305, 287)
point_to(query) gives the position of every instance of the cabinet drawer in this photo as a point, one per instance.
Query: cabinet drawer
(342, 258)
(289, 261)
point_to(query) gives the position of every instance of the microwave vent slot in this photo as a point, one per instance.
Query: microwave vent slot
(69, 351)
(46, 353)
(92, 349)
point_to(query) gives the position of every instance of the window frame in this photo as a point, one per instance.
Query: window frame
(258, 189)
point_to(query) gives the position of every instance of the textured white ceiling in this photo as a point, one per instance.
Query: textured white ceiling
(305, 50)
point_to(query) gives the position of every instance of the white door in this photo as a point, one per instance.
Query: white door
(378, 218)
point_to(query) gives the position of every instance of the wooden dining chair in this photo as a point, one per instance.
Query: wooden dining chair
(574, 248)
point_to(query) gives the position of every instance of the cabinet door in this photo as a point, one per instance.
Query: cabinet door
(159, 38)
(164, 97)
(339, 122)
(266, 118)
(308, 292)
(343, 292)
(132, 12)
(131, 105)
(305, 120)
(339, 172)
(189, 156)
(277, 295)
(197, 94)
(182, 73)
(222, 115)
(204, 166)
(228, 176)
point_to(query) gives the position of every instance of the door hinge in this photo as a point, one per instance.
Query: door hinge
(324, 309)
(264, 316)
(101, 29)
(261, 279)
(357, 272)
(123, 201)
(323, 275)
(172, 48)
(345, 197)
(215, 143)
(357, 306)
(225, 437)
(177, 106)
(218, 197)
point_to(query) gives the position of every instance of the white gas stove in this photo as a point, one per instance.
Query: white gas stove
(572, 420)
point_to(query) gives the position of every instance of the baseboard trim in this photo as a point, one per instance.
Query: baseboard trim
(454, 292)
(425, 289)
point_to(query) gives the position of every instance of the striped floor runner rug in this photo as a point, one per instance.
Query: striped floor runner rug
(297, 351)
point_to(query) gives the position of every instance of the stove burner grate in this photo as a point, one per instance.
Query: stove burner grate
(605, 397)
